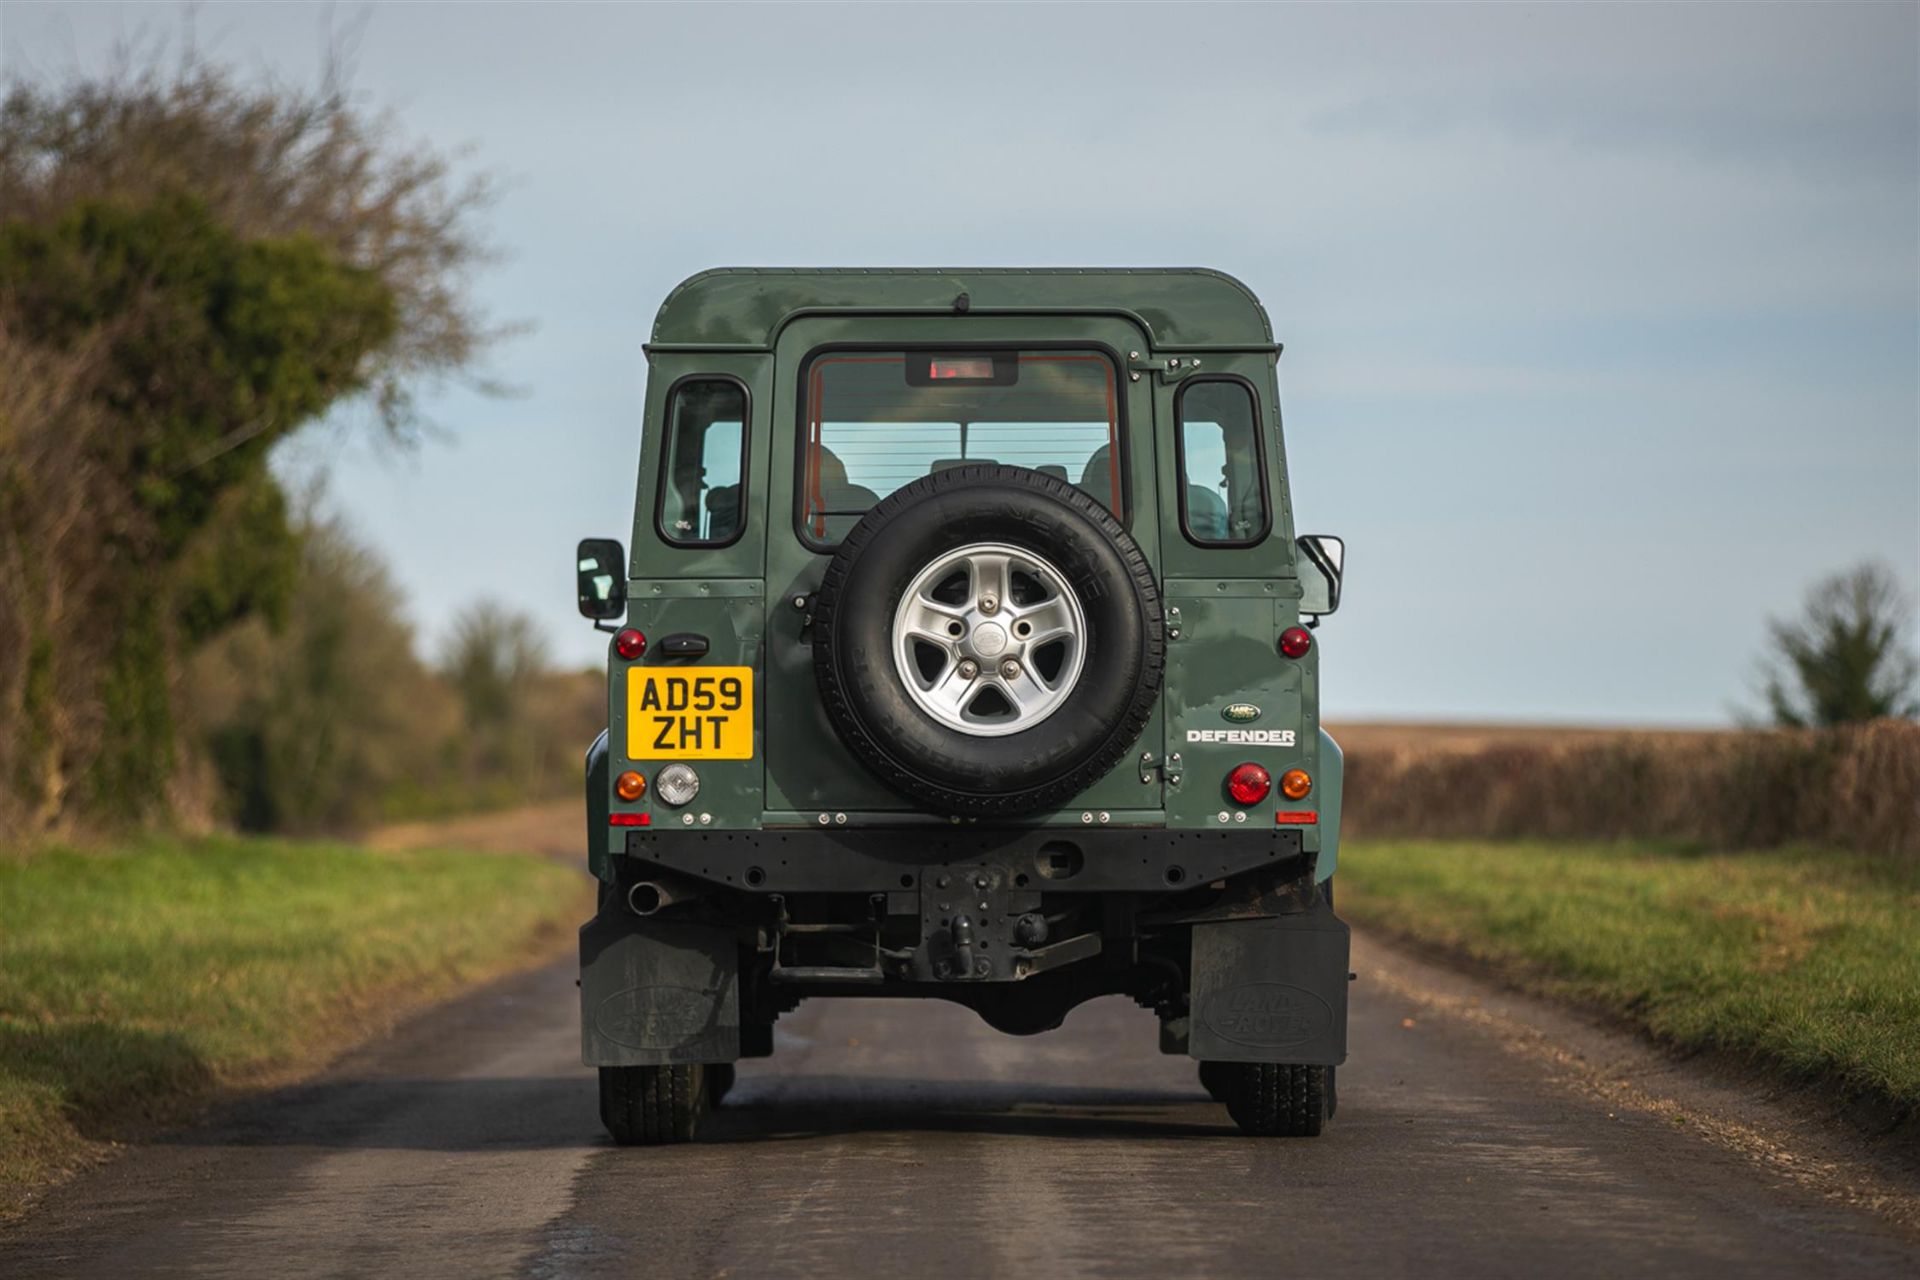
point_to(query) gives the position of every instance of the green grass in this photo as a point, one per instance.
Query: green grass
(1804, 961)
(139, 980)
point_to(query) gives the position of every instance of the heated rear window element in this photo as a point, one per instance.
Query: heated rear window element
(705, 458)
(877, 420)
(1223, 488)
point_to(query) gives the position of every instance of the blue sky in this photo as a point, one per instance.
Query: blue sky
(1602, 323)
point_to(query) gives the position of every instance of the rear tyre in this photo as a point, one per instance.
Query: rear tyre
(719, 1082)
(1278, 1099)
(1217, 1079)
(650, 1106)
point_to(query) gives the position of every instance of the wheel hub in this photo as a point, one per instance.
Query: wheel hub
(989, 639)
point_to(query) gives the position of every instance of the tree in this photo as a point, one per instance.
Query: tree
(271, 161)
(1848, 656)
(191, 269)
(312, 724)
(495, 661)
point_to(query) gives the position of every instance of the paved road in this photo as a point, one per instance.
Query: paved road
(909, 1139)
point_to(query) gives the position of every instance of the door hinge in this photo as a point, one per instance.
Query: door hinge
(1169, 368)
(1168, 769)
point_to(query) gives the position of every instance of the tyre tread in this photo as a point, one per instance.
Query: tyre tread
(1278, 1099)
(648, 1106)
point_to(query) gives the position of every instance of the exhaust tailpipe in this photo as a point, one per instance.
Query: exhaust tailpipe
(649, 897)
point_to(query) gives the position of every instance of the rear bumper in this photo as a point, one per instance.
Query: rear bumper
(881, 860)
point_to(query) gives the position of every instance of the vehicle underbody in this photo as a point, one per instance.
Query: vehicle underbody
(1018, 925)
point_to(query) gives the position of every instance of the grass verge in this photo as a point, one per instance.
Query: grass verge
(1805, 962)
(138, 981)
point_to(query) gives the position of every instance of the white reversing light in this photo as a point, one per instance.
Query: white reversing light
(676, 784)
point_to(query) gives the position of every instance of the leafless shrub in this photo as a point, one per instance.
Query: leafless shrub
(272, 160)
(55, 515)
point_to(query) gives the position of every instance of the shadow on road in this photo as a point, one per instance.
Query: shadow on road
(806, 1106)
(560, 1112)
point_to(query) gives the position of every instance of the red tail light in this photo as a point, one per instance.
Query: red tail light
(1249, 784)
(1295, 641)
(630, 644)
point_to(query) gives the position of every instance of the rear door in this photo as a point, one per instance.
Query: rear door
(870, 454)
(1227, 576)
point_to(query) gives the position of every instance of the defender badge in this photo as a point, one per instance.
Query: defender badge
(1241, 713)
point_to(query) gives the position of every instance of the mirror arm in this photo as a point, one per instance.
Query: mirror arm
(601, 624)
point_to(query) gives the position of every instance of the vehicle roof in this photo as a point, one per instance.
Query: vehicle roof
(745, 307)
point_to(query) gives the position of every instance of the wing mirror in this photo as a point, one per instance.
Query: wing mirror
(1321, 558)
(600, 570)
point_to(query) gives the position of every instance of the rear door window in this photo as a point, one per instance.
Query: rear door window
(1223, 486)
(704, 463)
(877, 420)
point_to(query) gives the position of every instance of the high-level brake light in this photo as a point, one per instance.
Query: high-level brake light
(630, 644)
(1295, 641)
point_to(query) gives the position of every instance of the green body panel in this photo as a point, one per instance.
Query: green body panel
(729, 614)
(1229, 605)
(746, 307)
(1331, 781)
(1225, 656)
(599, 804)
(1270, 560)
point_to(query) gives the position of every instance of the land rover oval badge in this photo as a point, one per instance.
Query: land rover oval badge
(1241, 713)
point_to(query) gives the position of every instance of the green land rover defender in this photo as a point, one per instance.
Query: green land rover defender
(965, 651)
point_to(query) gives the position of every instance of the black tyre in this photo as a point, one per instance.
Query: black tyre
(963, 711)
(719, 1082)
(647, 1106)
(1217, 1079)
(1279, 1100)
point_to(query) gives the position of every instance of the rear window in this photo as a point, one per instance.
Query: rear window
(703, 462)
(1223, 478)
(878, 420)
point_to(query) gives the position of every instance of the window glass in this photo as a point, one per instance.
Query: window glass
(1223, 499)
(705, 455)
(877, 420)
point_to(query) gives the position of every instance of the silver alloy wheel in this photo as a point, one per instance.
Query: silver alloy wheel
(989, 639)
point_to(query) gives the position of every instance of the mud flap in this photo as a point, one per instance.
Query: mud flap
(654, 993)
(1271, 990)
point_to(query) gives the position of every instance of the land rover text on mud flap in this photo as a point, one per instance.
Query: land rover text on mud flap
(966, 651)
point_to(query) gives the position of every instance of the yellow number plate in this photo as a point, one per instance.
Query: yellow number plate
(690, 713)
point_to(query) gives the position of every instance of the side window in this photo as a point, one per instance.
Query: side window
(1223, 484)
(703, 460)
